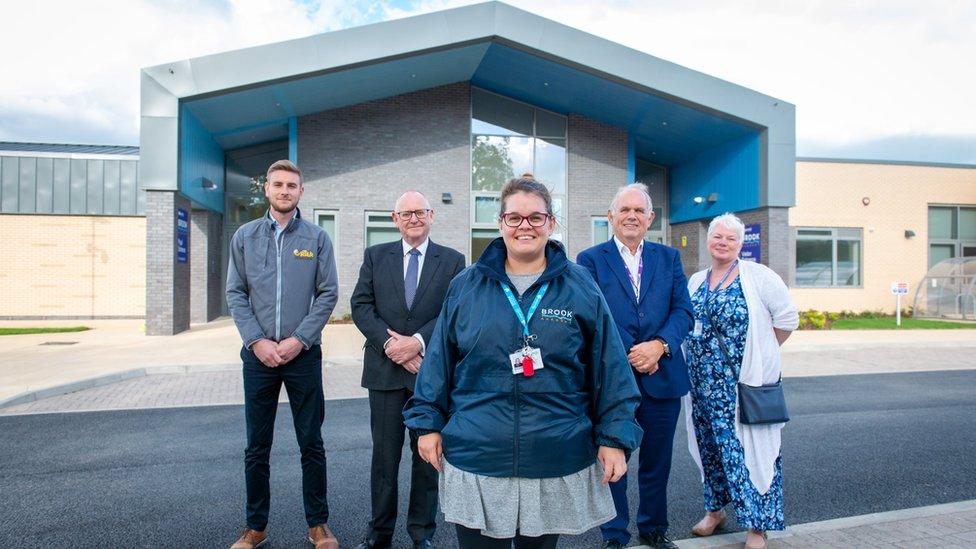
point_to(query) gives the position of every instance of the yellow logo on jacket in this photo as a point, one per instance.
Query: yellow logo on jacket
(306, 254)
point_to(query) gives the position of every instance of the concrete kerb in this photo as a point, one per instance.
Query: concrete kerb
(834, 524)
(115, 377)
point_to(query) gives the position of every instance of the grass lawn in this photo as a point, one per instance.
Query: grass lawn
(40, 330)
(906, 324)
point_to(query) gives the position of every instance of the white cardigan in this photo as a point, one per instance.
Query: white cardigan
(770, 306)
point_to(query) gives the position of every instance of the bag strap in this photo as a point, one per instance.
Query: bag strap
(721, 340)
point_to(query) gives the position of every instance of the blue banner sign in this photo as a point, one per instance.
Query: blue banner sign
(752, 244)
(182, 235)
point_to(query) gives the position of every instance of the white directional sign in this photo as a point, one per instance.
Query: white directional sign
(899, 288)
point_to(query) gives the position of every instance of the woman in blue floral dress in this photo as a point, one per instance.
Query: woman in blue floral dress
(752, 330)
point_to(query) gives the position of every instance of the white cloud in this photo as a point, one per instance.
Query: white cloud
(858, 71)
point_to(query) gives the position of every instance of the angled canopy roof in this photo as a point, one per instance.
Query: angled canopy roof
(247, 96)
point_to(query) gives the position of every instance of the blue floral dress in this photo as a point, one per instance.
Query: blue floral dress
(713, 392)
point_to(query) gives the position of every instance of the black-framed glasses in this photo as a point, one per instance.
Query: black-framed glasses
(515, 220)
(407, 214)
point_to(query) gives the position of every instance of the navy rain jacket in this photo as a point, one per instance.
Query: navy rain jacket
(497, 424)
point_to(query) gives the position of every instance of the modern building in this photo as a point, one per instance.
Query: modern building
(452, 104)
(72, 232)
(859, 226)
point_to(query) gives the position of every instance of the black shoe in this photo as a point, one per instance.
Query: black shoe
(423, 544)
(373, 544)
(611, 544)
(657, 540)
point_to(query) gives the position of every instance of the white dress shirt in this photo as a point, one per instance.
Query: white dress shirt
(632, 261)
(406, 257)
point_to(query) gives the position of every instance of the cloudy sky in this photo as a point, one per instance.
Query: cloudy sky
(883, 79)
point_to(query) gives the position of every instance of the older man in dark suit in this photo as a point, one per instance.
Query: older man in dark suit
(399, 294)
(645, 286)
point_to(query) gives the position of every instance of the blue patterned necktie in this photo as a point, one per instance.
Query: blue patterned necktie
(410, 281)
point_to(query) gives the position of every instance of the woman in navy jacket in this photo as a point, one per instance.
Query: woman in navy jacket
(526, 421)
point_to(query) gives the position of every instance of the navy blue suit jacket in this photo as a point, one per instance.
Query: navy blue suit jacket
(664, 309)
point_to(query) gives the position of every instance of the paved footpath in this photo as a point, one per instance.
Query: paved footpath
(947, 526)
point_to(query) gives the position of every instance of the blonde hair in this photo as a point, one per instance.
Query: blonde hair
(284, 166)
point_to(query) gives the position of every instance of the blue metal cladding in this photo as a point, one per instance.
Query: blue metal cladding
(201, 159)
(731, 170)
(293, 139)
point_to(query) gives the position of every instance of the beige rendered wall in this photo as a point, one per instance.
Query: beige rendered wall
(72, 266)
(829, 194)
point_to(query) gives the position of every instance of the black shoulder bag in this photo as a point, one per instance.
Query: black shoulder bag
(757, 405)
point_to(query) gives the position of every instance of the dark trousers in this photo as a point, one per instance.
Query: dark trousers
(302, 378)
(386, 424)
(658, 417)
(473, 539)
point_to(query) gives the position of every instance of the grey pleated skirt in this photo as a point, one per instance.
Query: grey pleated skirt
(500, 506)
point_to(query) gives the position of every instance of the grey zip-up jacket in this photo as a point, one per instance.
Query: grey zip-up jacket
(284, 287)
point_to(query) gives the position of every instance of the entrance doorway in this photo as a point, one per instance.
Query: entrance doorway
(656, 179)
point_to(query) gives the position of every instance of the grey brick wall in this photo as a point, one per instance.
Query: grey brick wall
(597, 167)
(361, 158)
(206, 279)
(775, 241)
(167, 281)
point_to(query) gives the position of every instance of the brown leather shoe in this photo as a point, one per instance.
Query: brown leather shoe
(322, 538)
(250, 539)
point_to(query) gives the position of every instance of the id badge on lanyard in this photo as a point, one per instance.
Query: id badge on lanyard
(528, 359)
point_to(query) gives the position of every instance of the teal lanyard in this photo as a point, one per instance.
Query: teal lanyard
(518, 310)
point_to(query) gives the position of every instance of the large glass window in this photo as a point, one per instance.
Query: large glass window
(380, 228)
(828, 257)
(508, 139)
(952, 232)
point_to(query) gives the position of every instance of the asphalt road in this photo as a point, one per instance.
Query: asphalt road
(174, 477)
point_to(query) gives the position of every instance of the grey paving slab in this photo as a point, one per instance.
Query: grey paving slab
(340, 380)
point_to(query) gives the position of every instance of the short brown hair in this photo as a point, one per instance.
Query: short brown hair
(526, 184)
(284, 166)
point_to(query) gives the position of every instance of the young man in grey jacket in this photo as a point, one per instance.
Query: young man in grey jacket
(281, 289)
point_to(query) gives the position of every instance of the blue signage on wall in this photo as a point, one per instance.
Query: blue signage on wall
(752, 244)
(182, 235)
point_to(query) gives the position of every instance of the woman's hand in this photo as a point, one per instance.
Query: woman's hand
(613, 461)
(429, 446)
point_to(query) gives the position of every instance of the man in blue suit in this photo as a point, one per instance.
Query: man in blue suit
(644, 285)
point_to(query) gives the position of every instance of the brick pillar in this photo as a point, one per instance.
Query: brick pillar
(167, 280)
(694, 254)
(206, 282)
(774, 244)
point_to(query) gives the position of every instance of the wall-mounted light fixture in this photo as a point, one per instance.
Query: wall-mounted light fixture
(712, 198)
(698, 200)
(865, 201)
(909, 233)
(446, 198)
(207, 184)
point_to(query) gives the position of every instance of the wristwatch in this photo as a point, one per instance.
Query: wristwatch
(667, 348)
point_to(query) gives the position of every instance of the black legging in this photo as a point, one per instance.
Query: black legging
(472, 539)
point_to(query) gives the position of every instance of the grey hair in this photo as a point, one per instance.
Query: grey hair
(640, 187)
(729, 221)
